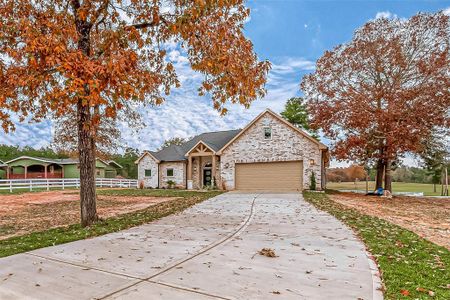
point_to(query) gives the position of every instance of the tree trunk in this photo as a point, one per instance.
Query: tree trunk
(446, 181)
(380, 173)
(88, 197)
(367, 179)
(388, 176)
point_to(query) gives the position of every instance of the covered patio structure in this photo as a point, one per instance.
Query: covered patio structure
(27, 167)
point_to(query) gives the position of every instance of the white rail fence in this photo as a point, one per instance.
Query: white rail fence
(63, 183)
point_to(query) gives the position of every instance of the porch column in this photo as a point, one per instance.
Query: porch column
(189, 173)
(213, 170)
(199, 182)
(45, 171)
(62, 171)
(26, 171)
(8, 171)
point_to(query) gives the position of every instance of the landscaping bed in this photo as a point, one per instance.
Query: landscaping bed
(428, 217)
(411, 267)
(48, 220)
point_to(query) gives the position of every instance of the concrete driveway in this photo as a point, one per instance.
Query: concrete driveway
(209, 251)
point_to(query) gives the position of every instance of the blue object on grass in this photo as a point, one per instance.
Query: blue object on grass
(379, 191)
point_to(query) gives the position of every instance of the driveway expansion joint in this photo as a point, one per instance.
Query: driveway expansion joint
(201, 252)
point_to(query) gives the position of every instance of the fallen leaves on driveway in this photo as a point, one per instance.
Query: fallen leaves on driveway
(267, 252)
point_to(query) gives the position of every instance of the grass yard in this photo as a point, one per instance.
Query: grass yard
(411, 267)
(426, 188)
(36, 220)
(27, 190)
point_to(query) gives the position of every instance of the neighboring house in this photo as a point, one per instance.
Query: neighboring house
(38, 167)
(268, 154)
(2, 170)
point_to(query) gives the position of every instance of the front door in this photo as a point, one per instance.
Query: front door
(207, 177)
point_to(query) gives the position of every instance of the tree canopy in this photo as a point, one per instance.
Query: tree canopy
(173, 141)
(111, 51)
(296, 112)
(379, 95)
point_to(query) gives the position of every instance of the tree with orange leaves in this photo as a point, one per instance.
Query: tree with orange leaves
(102, 55)
(378, 96)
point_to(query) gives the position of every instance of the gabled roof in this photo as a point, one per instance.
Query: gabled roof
(146, 152)
(196, 145)
(114, 163)
(214, 141)
(277, 116)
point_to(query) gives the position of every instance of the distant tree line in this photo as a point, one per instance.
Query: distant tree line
(400, 174)
(8, 152)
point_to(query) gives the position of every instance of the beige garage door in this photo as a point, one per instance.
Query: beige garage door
(269, 176)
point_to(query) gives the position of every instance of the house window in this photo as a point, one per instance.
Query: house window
(148, 173)
(267, 133)
(169, 172)
(98, 172)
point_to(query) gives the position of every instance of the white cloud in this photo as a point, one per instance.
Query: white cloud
(446, 11)
(385, 14)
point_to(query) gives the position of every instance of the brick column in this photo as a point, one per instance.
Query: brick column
(213, 170)
(189, 173)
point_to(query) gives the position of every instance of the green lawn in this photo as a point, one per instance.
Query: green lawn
(426, 188)
(75, 232)
(35, 190)
(411, 267)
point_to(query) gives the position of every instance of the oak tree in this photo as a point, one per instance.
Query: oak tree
(377, 96)
(90, 55)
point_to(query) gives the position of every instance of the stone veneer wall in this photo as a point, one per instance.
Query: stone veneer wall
(148, 163)
(179, 174)
(197, 175)
(285, 145)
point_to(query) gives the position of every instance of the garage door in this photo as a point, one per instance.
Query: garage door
(269, 176)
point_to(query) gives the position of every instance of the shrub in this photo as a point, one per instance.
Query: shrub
(170, 184)
(312, 184)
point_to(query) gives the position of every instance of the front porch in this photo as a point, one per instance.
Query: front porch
(35, 171)
(202, 167)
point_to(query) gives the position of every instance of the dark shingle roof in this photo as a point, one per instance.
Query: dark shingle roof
(214, 140)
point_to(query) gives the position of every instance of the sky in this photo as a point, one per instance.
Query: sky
(291, 34)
